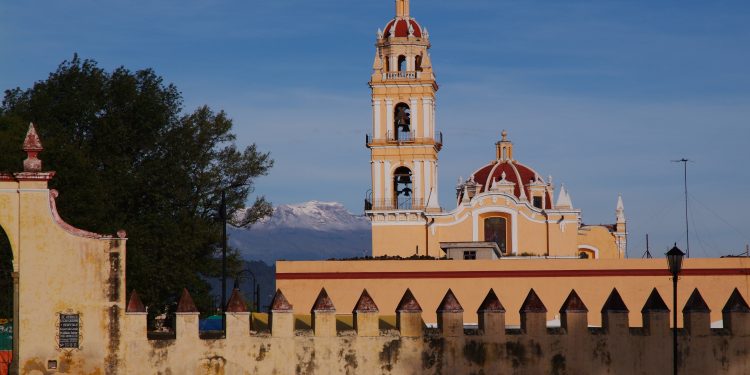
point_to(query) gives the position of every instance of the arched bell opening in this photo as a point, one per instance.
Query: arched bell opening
(418, 63)
(7, 302)
(401, 63)
(402, 188)
(402, 122)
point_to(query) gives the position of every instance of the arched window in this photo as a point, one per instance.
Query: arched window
(402, 63)
(418, 63)
(495, 230)
(402, 189)
(402, 122)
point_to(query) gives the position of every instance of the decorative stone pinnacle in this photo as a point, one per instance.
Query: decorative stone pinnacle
(450, 304)
(236, 304)
(615, 303)
(504, 134)
(279, 303)
(408, 303)
(365, 304)
(186, 304)
(736, 303)
(134, 304)
(655, 303)
(532, 304)
(491, 303)
(32, 146)
(323, 303)
(695, 303)
(573, 304)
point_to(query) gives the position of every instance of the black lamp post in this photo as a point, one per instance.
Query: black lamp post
(223, 215)
(674, 260)
(256, 287)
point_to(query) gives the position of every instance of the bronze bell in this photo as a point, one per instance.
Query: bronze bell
(403, 179)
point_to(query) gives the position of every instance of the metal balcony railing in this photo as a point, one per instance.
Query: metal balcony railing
(401, 75)
(400, 203)
(404, 137)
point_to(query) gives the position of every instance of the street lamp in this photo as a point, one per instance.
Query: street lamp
(256, 286)
(223, 216)
(674, 260)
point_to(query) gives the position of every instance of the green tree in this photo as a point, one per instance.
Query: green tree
(127, 157)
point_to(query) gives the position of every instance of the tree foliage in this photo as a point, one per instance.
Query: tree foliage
(127, 157)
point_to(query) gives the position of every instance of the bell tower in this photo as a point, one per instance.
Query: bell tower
(403, 143)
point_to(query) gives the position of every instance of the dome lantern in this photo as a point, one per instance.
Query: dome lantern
(504, 148)
(402, 8)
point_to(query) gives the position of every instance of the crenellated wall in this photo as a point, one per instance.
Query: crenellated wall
(376, 347)
(71, 316)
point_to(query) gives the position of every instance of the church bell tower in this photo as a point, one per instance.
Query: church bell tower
(404, 144)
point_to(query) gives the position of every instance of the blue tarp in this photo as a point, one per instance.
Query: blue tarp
(212, 323)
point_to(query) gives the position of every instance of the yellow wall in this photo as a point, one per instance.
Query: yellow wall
(429, 280)
(61, 270)
(531, 231)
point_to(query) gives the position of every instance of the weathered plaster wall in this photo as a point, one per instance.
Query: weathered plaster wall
(61, 269)
(578, 350)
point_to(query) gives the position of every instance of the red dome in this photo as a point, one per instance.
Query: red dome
(402, 28)
(514, 172)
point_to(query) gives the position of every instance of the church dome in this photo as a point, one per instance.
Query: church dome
(507, 175)
(401, 27)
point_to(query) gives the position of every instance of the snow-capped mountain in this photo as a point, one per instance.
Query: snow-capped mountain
(306, 231)
(322, 216)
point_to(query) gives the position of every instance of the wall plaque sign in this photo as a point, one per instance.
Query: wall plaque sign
(69, 331)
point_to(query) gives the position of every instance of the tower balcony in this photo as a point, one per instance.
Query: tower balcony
(398, 138)
(402, 75)
(394, 204)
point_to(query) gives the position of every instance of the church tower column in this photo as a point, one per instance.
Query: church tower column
(403, 141)
(621, 232)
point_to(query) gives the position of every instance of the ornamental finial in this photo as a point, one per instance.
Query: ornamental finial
(32, 146)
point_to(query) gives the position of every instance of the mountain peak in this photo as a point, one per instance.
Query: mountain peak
(314, 215)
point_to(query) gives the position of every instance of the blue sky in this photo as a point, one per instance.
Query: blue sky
(600, 94)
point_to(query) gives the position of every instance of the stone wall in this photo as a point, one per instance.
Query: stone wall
(411, 348)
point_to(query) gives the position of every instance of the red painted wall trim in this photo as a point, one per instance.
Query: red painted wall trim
(507, 274)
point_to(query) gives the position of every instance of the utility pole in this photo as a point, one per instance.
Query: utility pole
(223, 257)
(687, 225)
